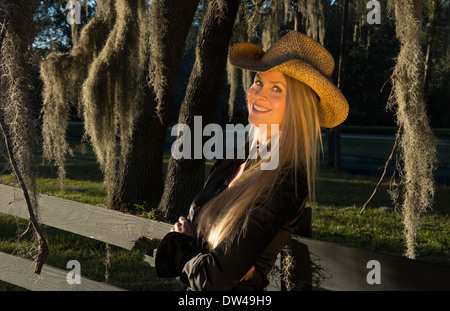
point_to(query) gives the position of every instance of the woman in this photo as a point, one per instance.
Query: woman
(244, 215)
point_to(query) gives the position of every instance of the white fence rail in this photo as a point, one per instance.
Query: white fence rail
(109, 226)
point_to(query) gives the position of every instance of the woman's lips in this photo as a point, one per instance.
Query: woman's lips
(259, 108)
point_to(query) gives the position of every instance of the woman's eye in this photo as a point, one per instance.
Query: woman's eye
(276, 89)
(258, 83)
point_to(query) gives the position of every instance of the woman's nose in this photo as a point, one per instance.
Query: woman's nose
(261, 93)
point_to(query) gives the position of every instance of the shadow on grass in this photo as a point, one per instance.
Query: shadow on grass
(74, 170)
(340, 189)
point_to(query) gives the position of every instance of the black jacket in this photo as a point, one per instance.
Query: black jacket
(268, 230)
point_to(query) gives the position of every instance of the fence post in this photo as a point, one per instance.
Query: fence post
(295, 259)
(304, 228)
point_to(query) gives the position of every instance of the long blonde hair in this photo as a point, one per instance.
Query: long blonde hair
(223, 217)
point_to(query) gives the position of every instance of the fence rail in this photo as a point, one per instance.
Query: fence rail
(317, 264)
(338, 268)
(20, 272)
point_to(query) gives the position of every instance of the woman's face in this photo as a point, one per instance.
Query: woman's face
(266, 99)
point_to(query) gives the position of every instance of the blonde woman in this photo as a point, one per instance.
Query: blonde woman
(245, 215)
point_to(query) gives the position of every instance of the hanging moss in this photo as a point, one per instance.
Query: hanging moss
(107, 91)
(247, 20)
(287, 268)
(417, 159)
(315, 20)
(157, 78)
(63, 75)
(16, 113)
(232, 78)
(98, 76)
(271, 24)
(15, 105)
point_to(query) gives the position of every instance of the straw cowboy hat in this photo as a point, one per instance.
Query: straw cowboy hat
(304, 59)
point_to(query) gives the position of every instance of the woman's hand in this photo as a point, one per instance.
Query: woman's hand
(183, 226)
(249, 274)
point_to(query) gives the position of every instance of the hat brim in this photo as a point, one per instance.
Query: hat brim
(333, 107)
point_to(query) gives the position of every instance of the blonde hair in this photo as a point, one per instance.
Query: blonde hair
(224, 217)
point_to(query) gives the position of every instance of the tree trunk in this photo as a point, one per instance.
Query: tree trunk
(446, 31)
(433, 15)
(334, 134)
(185, 177)
(140, 173)
(334, 147)
(297, 17)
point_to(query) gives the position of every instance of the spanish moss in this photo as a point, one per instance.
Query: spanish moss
(417, 160)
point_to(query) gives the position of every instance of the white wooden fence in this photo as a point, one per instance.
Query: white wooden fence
(317, 264)
(112, 227)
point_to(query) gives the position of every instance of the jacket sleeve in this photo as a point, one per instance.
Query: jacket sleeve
(173, 252)
(221, 269)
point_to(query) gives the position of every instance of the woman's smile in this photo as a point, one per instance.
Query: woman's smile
(258, 108)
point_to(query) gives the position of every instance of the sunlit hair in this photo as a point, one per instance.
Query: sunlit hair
(224, 217)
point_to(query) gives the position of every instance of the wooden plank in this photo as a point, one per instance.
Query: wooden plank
(334, 267)
(20, 272)
(113, 227)
(274, 276)
(321, 264)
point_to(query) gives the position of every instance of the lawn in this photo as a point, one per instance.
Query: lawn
(340, 195)
(337, 218)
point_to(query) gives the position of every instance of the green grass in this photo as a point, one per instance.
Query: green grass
(336, 218)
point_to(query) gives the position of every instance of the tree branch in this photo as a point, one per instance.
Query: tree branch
(42, 248)
(394, 150)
